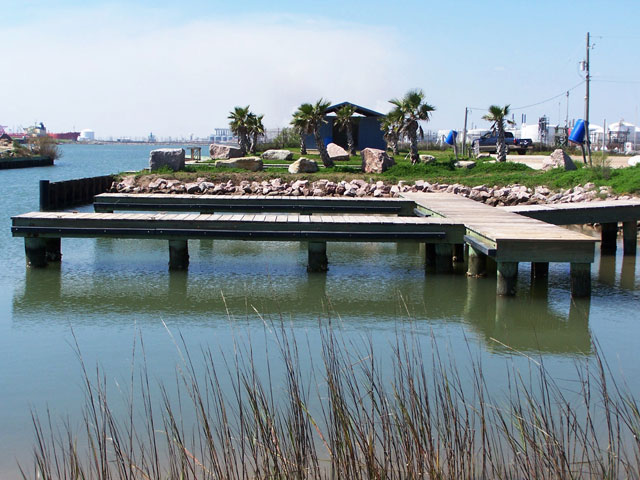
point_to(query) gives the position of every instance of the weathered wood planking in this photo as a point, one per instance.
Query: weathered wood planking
(513, 237)
(608, 211)
(237, 226)
(109, 202)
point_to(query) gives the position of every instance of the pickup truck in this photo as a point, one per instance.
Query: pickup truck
(487, 143)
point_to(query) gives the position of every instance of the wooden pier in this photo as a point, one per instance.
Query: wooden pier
(509, 239)
(445, 223)
(607, 213)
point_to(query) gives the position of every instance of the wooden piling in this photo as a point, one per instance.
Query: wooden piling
(477, 263)
(429, 255)
(444, 257)
(458, 253)
(580, 280)
(318, 261)
(609, 236)
(178, 254)
(35, 249)
(630, 237)
(507, 278)
(52, 250)
(539, 270)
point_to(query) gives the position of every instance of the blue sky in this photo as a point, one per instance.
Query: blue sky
(177, 68)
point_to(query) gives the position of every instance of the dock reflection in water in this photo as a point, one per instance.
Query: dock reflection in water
(397, 290)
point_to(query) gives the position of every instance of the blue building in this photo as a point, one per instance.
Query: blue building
(366, 129)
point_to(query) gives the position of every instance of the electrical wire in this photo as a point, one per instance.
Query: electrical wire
(549, 99)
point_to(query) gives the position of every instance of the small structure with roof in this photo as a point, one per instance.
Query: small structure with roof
(366, 129)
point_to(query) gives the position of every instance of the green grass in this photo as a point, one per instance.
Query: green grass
(621, 181)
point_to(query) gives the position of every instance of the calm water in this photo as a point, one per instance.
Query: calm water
(106, 291)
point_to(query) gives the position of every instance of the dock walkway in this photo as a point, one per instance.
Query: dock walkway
(510, 238)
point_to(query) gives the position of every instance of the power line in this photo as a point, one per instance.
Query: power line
(549, 99)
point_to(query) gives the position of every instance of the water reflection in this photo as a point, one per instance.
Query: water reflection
(607, 270)
(628, 273)
(527, 323)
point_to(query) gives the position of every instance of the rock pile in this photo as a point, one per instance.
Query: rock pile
(495, 196)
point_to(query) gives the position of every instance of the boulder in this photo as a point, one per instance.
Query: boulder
(559, 158)
(253, 164)
(427, 159)
(224, 151)
(337, 153)
(303, 165)
(166, 157)
(633, 161)
(375, 160)
(280, 155)
(465, 164)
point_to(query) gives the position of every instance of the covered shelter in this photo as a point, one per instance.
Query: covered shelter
(366, 129)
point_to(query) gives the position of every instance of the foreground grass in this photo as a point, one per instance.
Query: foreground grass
(421, 421)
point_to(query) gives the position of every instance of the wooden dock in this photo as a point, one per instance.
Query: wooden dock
(42, 231)
(510, 238)
(445, 223)
(110, 202)
(607, 213)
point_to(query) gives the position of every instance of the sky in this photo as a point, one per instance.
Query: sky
(128, 68)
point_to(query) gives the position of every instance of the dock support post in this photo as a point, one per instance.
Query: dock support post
(630, 237)
(53, 253)
(477, 263)
(507, 278)
(444, 257)
(318, 261)
(429, 255)
(44, 195)
(580, 280)
(609, 235)
(178, 254)
(458, 253)
(35, 249)
(539, 270)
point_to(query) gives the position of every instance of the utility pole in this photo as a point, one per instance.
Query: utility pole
(464, 131)
(586, 101)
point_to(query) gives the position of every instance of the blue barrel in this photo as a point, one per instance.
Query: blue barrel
(577, 132)
(327, 140)
(451, 138)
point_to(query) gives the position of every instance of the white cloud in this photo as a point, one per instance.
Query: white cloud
(124, 74)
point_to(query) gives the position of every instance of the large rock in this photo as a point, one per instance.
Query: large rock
(303, 165)
(166, 157)
(633, 161)
(253, 164)
(465, 164)
(427, 159)
(280, 155)
(375, 161)
(224, 151)
(337, 153)
(559, 158)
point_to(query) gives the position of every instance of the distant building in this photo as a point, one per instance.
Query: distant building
(87, 135)
(366, 129)
(222, 135)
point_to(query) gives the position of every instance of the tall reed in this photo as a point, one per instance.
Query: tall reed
(344, 416)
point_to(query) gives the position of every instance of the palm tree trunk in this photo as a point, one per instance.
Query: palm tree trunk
(413, 139)
(350, 145)
(501, 147)
(303, 146)
(324, 156)
(395, 148)
(254, 144)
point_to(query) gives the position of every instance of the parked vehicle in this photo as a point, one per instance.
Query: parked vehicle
(487, 143)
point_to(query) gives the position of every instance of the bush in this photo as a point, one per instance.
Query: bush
(45, 146)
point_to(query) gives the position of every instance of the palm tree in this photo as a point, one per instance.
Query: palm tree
(391, 126)
(344, 122)
(313, 115)
(240, 126)
(255, 128)
(301, 127)
(498, 116)
(413, 109)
